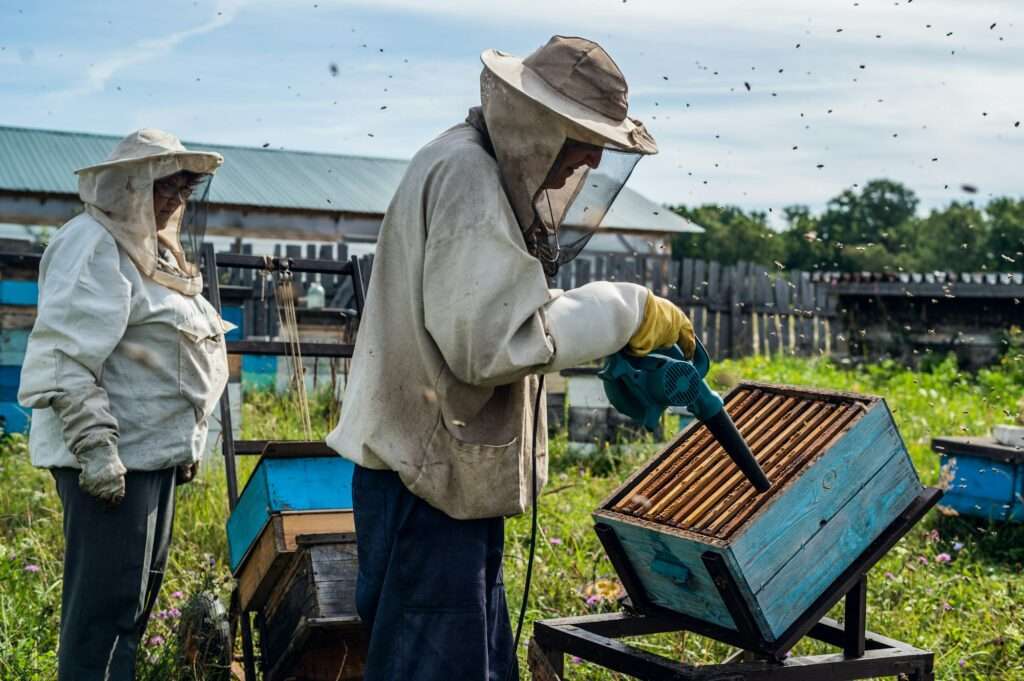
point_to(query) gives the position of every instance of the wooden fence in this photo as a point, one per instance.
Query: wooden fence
(737, 310)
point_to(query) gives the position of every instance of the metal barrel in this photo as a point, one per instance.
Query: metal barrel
(724, 430)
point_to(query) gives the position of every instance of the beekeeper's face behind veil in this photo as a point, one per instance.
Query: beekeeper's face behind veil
(151, 196)
(557, 121)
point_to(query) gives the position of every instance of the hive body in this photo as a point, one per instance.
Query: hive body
(282, 485)
(840, 472)
(982, 477)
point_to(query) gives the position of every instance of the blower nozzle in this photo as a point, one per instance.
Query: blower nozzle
(724, 430)
(642, 387)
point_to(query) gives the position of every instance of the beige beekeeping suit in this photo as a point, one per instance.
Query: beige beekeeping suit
(124, 355)
(459, 317)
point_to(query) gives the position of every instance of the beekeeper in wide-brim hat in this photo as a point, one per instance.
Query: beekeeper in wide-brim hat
(118, 192)
(123, 368)
(443, 411)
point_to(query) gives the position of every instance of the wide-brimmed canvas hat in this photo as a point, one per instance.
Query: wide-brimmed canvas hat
(576, 79)
(152, 145)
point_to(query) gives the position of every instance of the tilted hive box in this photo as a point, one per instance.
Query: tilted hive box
(840, 476)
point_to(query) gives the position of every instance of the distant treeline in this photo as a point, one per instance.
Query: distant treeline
(870, 229)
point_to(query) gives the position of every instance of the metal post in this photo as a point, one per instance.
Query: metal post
(226, 433)
(855, 619)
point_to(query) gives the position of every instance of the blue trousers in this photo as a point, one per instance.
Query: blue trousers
(430, 590)
(114, 559)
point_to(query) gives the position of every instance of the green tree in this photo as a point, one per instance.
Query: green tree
(1005, 242)
(730, 235)
(954, 238)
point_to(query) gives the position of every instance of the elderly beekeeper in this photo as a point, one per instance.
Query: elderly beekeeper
(442, 410)
(124, 365)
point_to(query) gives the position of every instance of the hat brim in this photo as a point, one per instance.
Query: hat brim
(626, 134)
(200, 162)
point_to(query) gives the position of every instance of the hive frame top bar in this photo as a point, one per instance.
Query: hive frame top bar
(837, 398)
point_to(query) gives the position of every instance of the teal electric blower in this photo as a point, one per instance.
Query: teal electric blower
(642, 388)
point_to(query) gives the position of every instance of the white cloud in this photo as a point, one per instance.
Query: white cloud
(99, 73)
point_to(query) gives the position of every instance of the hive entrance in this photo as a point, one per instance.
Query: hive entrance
(695, 486)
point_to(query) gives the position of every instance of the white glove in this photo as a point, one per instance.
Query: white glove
(102, 473)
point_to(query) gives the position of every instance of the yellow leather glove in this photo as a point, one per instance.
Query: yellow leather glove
(664, 324)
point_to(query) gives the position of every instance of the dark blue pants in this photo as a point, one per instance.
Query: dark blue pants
(114, 558)
(429, 590)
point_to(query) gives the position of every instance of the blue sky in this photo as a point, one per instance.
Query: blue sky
(253, 72)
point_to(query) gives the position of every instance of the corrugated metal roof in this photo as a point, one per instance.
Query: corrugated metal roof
(44, 161)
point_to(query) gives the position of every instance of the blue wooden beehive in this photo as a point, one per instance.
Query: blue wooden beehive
(286, 484)
(840, 476)
(982, 478)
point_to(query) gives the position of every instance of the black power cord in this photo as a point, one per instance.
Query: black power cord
(533, 531)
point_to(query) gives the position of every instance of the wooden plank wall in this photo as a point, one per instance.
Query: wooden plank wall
(737, 310)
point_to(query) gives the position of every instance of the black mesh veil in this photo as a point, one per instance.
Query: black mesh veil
(181, 240)
(593, 177)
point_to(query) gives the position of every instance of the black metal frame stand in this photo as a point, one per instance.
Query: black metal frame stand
(232, 448)
(864, 654)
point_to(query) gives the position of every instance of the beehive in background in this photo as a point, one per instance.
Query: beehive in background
(840, 475)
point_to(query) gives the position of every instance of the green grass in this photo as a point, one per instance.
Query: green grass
(966, 610)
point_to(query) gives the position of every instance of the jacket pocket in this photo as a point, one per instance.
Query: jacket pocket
(202, 360)
(471, 480)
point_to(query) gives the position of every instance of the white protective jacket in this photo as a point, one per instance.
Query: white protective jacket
(116, 359)
(458, 321)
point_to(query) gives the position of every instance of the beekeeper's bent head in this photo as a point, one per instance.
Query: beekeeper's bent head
(557, 121)
(151, 196)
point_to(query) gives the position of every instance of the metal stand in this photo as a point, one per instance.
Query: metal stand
(864, 654)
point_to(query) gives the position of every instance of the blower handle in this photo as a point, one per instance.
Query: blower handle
(701, 361)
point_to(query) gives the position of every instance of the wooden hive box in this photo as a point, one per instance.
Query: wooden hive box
(309, 628)
(840, 476)
(316, 483)
(982, 478)
(271, 554)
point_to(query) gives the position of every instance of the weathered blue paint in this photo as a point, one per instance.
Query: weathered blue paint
(983, 488)
(834, 548)
(697, 597)
(15, 418)
(785, 556)
(12, 346)
(779, 532)
(308, 484)
(14, 292)
(235, 315)
(259, 371)
(10, 379)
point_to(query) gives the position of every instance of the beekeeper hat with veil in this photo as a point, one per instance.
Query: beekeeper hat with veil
(151, 167)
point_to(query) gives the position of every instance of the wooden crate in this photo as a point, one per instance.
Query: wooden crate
(286, 484)
(263, 566)
(309, 627)
(982, 478)
(840, 475)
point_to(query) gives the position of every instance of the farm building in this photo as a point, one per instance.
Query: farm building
(269, 197)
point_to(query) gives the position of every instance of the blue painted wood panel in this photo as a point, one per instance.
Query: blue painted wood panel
(12, 346)
(776, 534)
(310, 484)
(10, 380)
(697, 596)
(836, 545)
(13, 292)
(983, 488)
(15, 418)
(235, 315)
(259, 372)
